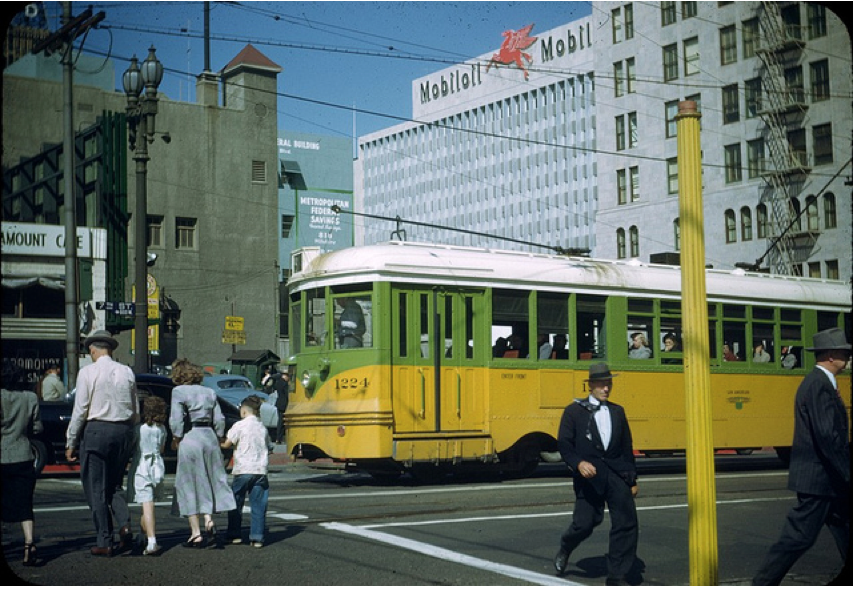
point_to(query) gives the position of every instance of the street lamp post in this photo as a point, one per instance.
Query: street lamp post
(141, 112)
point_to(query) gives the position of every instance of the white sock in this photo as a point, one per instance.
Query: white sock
(152, 542)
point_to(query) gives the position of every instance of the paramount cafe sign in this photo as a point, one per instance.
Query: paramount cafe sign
(32, 239)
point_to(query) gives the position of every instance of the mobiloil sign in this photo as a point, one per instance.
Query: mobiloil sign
(512, 53)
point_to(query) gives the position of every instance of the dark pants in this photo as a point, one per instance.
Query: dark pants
(801, 529)
(280, 427)
(104, 454)
(588, 514)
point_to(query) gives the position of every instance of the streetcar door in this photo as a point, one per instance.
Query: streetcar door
(436, 381)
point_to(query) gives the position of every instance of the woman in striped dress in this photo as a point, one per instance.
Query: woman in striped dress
(198, 426)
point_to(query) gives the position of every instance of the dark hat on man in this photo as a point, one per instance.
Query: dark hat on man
(600, 371)
(830, 339)
(101, 336)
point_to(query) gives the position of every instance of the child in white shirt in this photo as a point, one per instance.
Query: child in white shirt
(252, 445)
(147, 469)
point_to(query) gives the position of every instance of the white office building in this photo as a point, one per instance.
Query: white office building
(567, 138)
(773, 84)
(498, 149)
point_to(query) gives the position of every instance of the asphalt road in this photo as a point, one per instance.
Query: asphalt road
(333, 528)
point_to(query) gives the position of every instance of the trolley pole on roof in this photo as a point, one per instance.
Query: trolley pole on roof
(700, 465)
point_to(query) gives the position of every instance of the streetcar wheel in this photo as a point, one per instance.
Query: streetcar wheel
(527, 469)
(428, 474)
(385, 476)
(784, 454)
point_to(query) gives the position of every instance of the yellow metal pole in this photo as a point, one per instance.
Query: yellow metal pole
(700, 466)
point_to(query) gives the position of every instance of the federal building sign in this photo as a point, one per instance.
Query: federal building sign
(517, 58)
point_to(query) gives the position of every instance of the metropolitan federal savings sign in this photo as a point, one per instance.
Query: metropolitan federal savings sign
(31, 239)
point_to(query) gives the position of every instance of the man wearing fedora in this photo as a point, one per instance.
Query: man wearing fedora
(100, 434)
(596, 444)
(820, 465)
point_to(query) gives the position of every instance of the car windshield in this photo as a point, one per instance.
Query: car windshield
(234, 383)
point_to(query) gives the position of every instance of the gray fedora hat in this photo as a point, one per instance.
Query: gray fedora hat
(600, 371)
(101, 336)
(830, 339)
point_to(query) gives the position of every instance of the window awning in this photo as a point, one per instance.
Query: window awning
(291, 174)
(289, 167)
(51, 282)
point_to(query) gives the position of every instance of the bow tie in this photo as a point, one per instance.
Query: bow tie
(598, 407)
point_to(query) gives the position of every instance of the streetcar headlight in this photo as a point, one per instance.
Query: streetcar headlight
(309, 380)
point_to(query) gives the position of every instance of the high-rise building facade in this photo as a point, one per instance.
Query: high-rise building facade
(504, 145)
(773, 84)
(568, 138)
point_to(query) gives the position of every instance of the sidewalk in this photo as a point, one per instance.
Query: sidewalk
(280, 455)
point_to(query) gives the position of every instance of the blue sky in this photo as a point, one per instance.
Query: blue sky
(351, 54)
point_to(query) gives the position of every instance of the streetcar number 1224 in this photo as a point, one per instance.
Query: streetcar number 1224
(351, 383)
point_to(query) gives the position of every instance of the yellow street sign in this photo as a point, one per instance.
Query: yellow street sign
(234, 323)
(234, 337)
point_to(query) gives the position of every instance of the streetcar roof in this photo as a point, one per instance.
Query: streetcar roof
(432, 264)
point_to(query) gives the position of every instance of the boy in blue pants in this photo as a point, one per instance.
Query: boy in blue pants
(252, 446)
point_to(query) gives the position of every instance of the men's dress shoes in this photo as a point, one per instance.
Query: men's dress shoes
(561, 561)
(101, 551)
(126, 539)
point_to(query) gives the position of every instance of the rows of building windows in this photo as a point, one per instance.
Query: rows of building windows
(754, 104)
(818, 214)
(486, 168)
(621, 234)
(728, 40)
(185, 236)
(758, 164)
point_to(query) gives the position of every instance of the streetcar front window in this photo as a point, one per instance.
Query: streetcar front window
(316, 317)
(352, 321)
(296, 325)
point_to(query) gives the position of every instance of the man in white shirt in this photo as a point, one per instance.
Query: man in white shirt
(596, 444)
(100, 434)
(52, 387)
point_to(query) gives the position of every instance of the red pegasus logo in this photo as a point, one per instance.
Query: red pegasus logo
(511, 50)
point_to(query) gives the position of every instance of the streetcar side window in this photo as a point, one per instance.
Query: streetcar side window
(791, 338)
(316, 317)
(510, 323)
(670, 332)
(763, 335)
(734, 332)
(590, 326)
(552, 326)
(639, 327)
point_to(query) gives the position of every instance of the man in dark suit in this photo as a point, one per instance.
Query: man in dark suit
(820, 465)
(595, 441)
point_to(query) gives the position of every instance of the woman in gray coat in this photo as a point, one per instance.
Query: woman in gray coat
(198, 426)
(19, 419)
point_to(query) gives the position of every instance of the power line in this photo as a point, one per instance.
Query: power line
(401, 234)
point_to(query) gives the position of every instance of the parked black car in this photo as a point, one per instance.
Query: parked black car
(49, 446)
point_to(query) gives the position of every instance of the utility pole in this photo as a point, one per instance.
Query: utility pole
(63, 40)
(700, 466)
